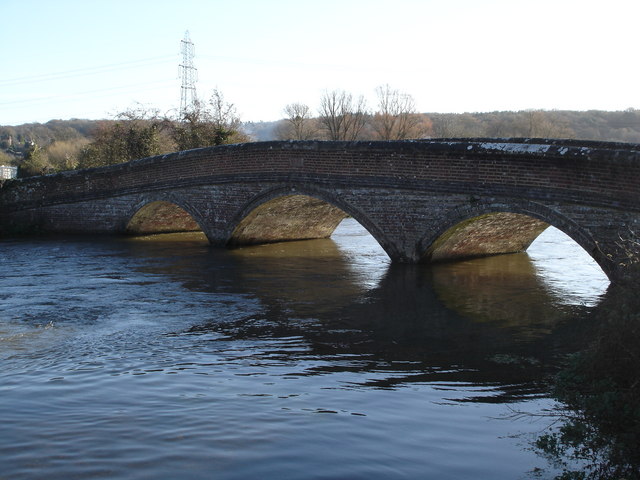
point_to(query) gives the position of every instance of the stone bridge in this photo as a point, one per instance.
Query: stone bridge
(423, 201)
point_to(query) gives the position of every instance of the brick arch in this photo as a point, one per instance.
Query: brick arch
(323, 197)
(513, 228)
(164, 213)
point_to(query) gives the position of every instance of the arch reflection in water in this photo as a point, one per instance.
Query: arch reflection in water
(534, 288)
(342, 297)
(512, 289)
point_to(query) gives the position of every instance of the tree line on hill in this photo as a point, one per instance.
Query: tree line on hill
(139, 132)
(135, 133)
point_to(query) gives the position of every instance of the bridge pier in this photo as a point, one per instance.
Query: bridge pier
(617, 248)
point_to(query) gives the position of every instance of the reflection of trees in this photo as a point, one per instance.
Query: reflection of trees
(599, 424)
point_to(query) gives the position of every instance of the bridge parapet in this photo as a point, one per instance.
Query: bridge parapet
(607, 173)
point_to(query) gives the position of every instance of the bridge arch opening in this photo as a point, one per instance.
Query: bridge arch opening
(159, 217)
(484, 235)
(287, 218)
(284, 215)
(504, 232)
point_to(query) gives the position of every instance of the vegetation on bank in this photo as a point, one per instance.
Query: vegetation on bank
(136, 133)
(140, 132)
(597, 435)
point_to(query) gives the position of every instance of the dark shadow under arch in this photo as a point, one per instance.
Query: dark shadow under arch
(161, 216)
(484, 235)
(484, 229)
(295, 213)
(286, 218)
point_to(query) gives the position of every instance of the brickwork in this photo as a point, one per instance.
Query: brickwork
(407, 194)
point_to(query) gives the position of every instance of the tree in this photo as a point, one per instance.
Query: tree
(136, 133)
(36, 162)
(195, 129)
(5, 158)
(298, 124)
(205, 124)
(63, 154)
(540, 124)
(396, 118)
(226, 120)
(342, 117)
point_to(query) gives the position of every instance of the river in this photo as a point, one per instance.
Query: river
(159, 357)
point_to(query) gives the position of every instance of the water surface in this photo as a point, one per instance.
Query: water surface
(164, 358)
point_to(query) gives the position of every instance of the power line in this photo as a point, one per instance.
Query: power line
(79, 72)
(98, 93)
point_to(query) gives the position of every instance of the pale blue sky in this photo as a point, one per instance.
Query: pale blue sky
(91, 59)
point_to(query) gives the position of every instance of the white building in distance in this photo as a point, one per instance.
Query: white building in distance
(7, 172)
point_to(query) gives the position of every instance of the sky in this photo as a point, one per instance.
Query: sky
(68, 59)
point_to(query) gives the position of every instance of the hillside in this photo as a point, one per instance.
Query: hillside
(16, 140)
(620, 126)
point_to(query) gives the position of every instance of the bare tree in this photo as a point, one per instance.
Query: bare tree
(212, 123)
(224, 116)
(135, 133)
(396, 118)
(456, 125)
(540, 124)
(299, 122)
(341, 116)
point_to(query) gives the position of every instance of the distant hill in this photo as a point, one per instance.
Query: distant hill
(16, 140)
(45, 133)
(619, 126)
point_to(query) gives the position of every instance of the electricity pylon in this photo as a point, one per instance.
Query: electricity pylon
(188, 74)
